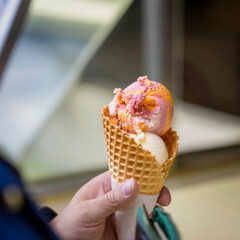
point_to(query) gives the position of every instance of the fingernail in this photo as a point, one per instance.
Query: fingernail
(127, 187)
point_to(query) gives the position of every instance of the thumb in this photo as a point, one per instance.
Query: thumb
(116, 199)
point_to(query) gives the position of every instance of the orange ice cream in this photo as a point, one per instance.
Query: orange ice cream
(144, 106)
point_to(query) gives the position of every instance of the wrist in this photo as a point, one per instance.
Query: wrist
(57, 227)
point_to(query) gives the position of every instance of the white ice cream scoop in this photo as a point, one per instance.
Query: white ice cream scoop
(154, 144)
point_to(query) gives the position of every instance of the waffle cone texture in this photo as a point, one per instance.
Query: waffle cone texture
(127, 159)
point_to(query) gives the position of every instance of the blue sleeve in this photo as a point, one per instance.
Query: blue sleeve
(46, 213)
(19, 215)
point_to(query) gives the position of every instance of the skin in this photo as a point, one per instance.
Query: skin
(89, 215)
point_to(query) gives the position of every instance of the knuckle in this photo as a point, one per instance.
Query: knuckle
(111, 198)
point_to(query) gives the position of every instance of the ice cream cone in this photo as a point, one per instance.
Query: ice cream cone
(126, 160)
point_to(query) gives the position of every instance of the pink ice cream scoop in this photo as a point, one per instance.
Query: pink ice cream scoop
(144, 106)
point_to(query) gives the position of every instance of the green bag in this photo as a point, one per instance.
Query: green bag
(159, 227)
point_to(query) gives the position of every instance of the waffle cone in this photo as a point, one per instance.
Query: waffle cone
(127, 159)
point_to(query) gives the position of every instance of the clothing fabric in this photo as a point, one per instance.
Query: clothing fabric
(20, 217)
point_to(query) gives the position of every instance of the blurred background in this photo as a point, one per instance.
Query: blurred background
(67, 60)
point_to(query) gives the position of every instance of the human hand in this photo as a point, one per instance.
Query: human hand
(89, 215)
